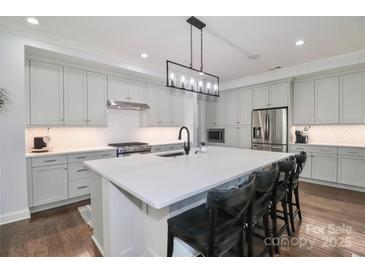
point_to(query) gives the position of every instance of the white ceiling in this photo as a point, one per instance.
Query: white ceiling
(228, 41)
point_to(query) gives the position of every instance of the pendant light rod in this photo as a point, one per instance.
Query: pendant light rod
(201, 50)
(193, 21)
(191, 46)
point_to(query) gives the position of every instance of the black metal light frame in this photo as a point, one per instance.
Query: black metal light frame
(193, 21)
(187, 89)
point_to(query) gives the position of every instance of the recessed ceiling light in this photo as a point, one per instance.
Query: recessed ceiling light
(299, 43)
(144, 55)
(32, 20)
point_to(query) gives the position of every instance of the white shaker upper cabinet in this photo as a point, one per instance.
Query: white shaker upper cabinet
(231, 108)
(159, 101)
(326, 101)
(46, 93)
(279, 95)
(260, 97)
(97, 96)
(303, 102)
(177, 108)
(75, 93)
(352, 98)
(118, 88)
(244, 106)
(137, 92)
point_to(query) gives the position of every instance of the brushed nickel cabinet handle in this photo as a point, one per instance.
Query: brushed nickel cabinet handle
(81, 187)
(49, 161)
(103, 155)
(81, 157)
(81, 170)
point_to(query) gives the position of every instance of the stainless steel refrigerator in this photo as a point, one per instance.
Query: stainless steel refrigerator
(270, 129)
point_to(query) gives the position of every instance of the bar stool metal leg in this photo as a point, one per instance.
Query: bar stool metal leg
(267, 232)
(170, 245)
(296, 193)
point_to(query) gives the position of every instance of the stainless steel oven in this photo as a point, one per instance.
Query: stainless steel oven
(215, 135)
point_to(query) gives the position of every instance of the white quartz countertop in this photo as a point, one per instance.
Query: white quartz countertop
(166, 143)
(162, 181)
(330, 145)
(62, 151)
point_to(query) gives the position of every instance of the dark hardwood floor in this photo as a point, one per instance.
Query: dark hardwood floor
(333, 225)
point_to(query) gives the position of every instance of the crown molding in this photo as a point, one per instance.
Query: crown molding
(336, 62)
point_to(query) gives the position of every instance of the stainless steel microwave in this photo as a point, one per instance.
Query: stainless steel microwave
(215, 135)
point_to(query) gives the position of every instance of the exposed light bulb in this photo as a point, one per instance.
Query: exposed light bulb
(201, 73)
(200, 83)
(144, 55)
(215, 87)
(172, 75)
(172, 79)
(182, 81)
(299, 43)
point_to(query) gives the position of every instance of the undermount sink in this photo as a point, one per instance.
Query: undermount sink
(173, 154)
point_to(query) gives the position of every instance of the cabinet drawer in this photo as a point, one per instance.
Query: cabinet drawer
(80, 157)
(324, 149)
(77, 171)
(78, 187)
(351, 151)
(48, 161)
(105, 154)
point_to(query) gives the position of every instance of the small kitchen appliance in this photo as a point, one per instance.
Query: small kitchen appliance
(301, 137)
(40, 144)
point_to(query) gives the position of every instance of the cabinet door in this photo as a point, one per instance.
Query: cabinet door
(165, 107)
(27, 91)
(75, 93)
(46, 94)
(211, 109)
(351, 170)
(260, 97)
(278, 95)
(324, 167)
(137, 92)
(177, 108)
(307, 170)
(220, 114)
(118, 88)
(96, 98)
(244, 137)
(231, 136)
(49, 184)
(352, 98)
(231, 107)
(153, 101)
(244, 106)
(326, 101)
(303, 102)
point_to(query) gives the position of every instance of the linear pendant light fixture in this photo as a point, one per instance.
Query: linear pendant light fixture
(188, 78)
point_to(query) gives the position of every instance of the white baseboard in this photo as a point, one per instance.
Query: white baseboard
(331, 184)
(98, 245)
(58, 204)
(14, 216)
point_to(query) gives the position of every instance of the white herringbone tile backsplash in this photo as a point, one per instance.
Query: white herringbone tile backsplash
(335, 134)
(123, 126)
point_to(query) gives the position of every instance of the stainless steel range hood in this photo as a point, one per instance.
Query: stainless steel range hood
(126, 105)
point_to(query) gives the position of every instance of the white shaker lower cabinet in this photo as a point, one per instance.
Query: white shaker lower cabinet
(49, 184)
(307, 170)
(351, 170)
(324, 167)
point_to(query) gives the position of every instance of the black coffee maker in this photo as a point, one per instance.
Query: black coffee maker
(301, 137)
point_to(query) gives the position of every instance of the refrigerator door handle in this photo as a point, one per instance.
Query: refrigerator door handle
(266, 127)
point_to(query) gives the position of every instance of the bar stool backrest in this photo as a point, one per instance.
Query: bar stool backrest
(233, 201)
(300, 162)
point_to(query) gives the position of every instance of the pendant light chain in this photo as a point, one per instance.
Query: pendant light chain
(201, 50)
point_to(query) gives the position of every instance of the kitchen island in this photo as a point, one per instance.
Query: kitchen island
(133, 197)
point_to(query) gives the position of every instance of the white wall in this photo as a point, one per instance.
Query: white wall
(13, 196)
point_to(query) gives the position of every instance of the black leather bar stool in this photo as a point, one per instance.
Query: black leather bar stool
(215, 227)
(280, 195)
(265, 182)
(294, 188)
